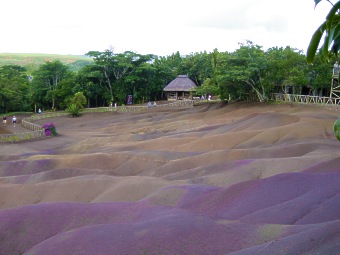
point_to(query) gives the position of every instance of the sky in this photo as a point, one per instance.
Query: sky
(160, 27)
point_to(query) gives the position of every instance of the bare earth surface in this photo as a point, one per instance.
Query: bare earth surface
(239, 179)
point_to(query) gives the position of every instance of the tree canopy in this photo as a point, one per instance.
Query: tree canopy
(248, 72)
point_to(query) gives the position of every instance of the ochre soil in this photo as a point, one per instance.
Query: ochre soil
(243, 178)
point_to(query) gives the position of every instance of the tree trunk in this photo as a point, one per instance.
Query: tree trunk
(258, 93)
(109, 84)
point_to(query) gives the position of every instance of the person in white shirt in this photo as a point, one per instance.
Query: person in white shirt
(4, 120)
(14, 120)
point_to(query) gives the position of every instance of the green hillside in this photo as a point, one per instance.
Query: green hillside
(32, 60)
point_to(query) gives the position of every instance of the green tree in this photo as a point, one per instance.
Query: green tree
(142, 83)
(287, 67)
(91, 81)
(46, 81)
(117, 69)
(14, 89)
(241, 73)
(65, 91)
(165, 70)
(79, 99)
(329, 30)
(198, 66)
(320, 75)
(209, 87)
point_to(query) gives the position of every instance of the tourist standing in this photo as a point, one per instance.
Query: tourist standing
(4, 120)
(14, 120)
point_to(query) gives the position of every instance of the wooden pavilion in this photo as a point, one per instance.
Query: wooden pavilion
(180, 88)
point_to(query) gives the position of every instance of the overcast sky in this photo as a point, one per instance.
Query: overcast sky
(160, 27)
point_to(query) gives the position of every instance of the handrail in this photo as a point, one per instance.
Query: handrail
(137, 108)
(306, 99)
(36, 130)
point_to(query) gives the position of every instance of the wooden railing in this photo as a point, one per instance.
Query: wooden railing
(36, 131)
(137, 108)
(306, 99)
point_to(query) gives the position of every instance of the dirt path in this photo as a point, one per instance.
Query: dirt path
(10, 129)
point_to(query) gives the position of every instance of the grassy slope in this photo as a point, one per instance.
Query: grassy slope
(33, 60)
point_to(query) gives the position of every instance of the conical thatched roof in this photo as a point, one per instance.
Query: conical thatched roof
(181, 83)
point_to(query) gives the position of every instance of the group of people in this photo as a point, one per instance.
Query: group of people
(203, 97)
(14, 119)
(149, 104)
(4, 120)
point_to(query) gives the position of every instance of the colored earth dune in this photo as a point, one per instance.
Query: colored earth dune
(241, 179)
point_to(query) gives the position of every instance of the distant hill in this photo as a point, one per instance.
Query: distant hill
(32, 61)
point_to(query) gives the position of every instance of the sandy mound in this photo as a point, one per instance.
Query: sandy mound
(242, 178)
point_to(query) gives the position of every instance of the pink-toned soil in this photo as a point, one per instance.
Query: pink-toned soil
(241, 179)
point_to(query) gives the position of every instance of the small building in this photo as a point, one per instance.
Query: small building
(180, 88)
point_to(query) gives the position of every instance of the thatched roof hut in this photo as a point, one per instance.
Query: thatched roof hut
(181, 83)
(180, 88)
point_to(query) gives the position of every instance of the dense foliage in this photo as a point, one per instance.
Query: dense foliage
(329, 31)
(76, 104)
(248, 72)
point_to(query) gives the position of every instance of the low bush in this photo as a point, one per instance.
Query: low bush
(74, 110)
(50, 129)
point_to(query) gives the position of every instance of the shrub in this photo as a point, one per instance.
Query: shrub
(50, 129)
(74, 110)
(79, 99)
